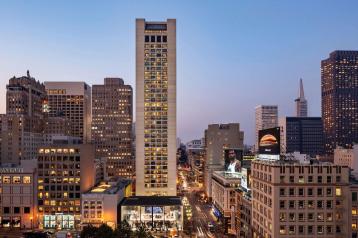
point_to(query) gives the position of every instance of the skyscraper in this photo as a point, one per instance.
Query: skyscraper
(266, 116)
(112, 118)
(339, 84)
(301, 103)
(156, 108)
(22, 126)
(71, 100)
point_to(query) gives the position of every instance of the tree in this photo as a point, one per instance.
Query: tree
(104, 231)
(89, 232)
(142, 232)
(123, 230)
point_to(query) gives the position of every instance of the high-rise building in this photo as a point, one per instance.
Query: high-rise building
(301, 134)
(300, 199)
(71, 100)
(301, 103)
(156, 108)
(339, 75)
(266, 116)
(65, 171)
(22, 126)
(217, 138)
(112, 118)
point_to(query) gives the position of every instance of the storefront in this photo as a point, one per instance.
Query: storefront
(7, 221)
(156, 213)
(59, 221)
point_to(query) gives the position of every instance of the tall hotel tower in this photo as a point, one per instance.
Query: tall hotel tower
(156, 108)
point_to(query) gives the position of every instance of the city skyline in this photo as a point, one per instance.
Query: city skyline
(87, 45)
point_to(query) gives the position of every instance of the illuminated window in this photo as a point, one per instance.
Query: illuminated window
(6, 179)
(16, 179)
(354, 211)
(27, 179)
(338, 192)
(282, 230)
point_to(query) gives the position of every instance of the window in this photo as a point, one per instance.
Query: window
(282, 179)
(310, 179)
(310, 192)
(354, 196)
(16, 179)
(319, 230)
(26, 179)
(320, 216)
(301, 179)
(292, 216)
(329, 229)
(301, 192)
(282, 230)
(282, 192)
(291, 204)
(159, 38)
(301, 217)
(292, 179)
(319, 179)
(152, 38)
(301, 229)
(6, 179)
(146, 39)
(292, 192)
(26, 210)
(16, 210)
(329, 179)
(354, 211)
(329, 192)
(354, 225)
(6, 210)
(319, 204)
(329, 204)
(310, 204)
(310, 229)
(301, 204)
(310, 217)
(338, 192)
(338, 229)
(164, 38)
(282, 204)
(282, 216)
(291, 230)
(319, 192)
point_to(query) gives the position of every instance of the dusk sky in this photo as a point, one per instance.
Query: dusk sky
(231, 55)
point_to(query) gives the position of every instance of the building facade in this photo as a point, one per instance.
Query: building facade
(266, 116)
(296, 199)
(301, 103)
(18, 202)
(217, 138)
(112, 118)
(301, 134)
(339, 88)
(64, 172)
(156, 108)
(71, 100)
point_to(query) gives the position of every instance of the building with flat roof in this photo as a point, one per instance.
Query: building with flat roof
(266, 116)
(71, 100)
(300, 199)
(159, 213)
(100, 205)
(64, 172)
(156, 148)
(18, 195)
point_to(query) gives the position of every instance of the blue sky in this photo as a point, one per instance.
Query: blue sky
(231, 55)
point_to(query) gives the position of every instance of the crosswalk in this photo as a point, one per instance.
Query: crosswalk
(200, 232)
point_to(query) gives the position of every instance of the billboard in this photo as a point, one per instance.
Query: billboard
(233, 159)
(269, 141)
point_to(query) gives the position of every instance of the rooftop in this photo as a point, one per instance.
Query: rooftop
(152, 201)
(111, 186)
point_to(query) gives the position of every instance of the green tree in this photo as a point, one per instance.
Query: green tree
(141, 232)
(104, 231)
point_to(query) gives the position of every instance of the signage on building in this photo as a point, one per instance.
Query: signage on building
(244, 178)
(233, 159)
(11, 170)
(269, 141)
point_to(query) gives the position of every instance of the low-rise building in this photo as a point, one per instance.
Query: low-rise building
(18, 204)
(101, 203)
(224, 186)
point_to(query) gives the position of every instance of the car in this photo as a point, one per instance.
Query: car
(211, 226)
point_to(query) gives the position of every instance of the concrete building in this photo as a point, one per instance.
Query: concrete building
(339, 86)
(71, 100)
(300, 199)
(347, 157)
(64, 172)
(217, 138)
(301, 103)
(112, 118)
(301, 134)
(197, 144)
(100, 205)
(156, 108)
(224, 200)
(196, 158)
(243, 213)
(353, 200)
(266, 116)
(18, 195)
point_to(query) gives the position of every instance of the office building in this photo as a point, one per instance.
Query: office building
(196, 158)
(100, 205)
(347, 157)
(156, 108)
(112, 118)
(243, 213)
(18, 195)
(197, 144)
(71, 100)
(224, 199)
(339, 86)
(217, 138)
(300, 199)
(301, 134)
(301, 103)
(266, 116)
(65, 171)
